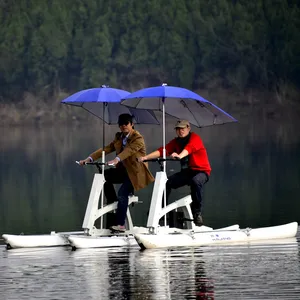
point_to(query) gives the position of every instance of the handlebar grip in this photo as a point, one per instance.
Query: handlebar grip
(111, 165)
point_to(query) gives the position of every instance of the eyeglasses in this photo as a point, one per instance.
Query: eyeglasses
(124, 123)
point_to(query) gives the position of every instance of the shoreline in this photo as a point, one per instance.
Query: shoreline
(34, 110)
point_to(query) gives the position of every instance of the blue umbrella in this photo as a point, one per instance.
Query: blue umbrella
(104, 103)
(180, 103)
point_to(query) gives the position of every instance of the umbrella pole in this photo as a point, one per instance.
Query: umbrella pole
(164, 132)
(103, 161)
(164, 153)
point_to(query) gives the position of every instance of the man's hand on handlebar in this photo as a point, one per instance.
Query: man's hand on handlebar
(83, 162)
(113, 162)
(174, 155)
(141, 159)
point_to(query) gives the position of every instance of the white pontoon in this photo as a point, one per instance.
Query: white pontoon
(157, 237)
(91, 236)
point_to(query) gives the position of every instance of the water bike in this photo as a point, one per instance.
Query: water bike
(190, 235)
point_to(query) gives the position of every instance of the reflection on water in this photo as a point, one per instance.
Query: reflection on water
(255, 271)
(254, 181)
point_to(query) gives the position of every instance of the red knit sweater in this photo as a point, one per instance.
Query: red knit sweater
(198, 159)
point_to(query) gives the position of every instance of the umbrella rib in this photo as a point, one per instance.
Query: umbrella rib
(190, 111)
(92, 113)
(224, 112)
(215, 116)
(71, 104)
(139, 100)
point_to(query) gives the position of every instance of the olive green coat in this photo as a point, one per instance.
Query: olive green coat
(138, 172)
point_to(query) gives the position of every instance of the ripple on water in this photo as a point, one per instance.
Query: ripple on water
(248, 271)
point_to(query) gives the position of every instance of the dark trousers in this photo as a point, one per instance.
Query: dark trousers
(195, 179)
(117, 176)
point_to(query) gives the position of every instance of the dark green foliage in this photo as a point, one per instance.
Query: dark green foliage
(49, 45)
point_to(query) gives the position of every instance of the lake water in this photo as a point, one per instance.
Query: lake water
(255, 182)
(258, 271)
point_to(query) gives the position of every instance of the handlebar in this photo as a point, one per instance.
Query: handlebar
(97, 164)
(160, 160)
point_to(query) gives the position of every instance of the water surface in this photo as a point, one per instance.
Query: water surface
(255, 182)
(250, 271)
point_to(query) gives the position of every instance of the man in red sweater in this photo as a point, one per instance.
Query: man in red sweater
(195, 167)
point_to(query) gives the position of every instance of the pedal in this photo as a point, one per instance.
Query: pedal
(133, 198)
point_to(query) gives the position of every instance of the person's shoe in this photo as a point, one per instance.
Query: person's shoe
(198, 220)
(118, 228)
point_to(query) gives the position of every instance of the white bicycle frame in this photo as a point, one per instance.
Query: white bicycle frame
(157, 211)
(93, 212)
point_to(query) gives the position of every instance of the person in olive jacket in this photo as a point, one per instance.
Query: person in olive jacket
(129, 145)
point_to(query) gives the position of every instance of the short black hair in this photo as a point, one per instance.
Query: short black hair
(125, 118)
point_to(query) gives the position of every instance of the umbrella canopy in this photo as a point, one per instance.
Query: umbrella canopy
(104, 103)
(180, 103)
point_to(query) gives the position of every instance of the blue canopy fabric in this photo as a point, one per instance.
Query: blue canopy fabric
(180, 103)
(104, 103)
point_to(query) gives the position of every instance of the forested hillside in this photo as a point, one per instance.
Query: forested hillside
(48, 46)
